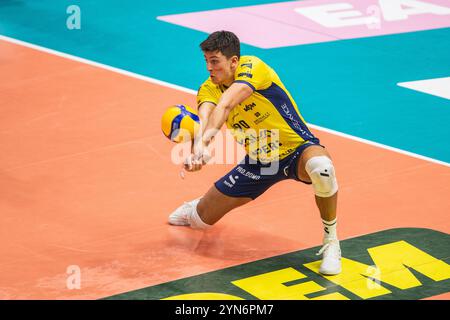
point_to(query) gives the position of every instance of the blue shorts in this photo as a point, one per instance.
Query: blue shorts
(250, 179)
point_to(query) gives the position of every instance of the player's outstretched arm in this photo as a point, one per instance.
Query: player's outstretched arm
(234, 95)
(204, 111)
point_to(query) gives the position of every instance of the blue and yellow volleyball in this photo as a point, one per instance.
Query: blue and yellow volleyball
(179, 123)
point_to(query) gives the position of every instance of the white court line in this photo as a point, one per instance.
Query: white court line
(176, 87)
(379, 145)
(438, 87)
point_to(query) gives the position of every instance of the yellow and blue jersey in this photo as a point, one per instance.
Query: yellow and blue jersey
(268, 123)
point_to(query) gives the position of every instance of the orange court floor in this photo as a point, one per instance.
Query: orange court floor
(86, 179)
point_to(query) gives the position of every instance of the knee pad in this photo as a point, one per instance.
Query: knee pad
(321, 171)
(194, 219)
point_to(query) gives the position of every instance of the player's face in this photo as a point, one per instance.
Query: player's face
(221, 69)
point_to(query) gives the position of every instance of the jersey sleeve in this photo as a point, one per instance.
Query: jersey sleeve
(207, 93)
(253, 72)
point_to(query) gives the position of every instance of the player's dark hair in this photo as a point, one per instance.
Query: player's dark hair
(224, 41)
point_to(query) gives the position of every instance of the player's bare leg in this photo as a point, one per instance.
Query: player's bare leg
(315, 166)
(214, 205)
(204, 212)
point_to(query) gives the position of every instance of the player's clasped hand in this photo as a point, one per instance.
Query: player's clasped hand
(196, 160)
(192, 163)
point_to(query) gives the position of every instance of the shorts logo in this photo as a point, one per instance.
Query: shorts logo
(248, 174)
(232, 181)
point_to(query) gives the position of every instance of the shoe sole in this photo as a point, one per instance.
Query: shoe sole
(330, 273)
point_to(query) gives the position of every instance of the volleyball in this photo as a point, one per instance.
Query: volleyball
(179, 123)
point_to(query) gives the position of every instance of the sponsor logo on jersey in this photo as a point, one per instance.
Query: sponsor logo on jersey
(245, 74)
(249, 107)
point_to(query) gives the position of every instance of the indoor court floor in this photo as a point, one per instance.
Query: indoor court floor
(87, 181)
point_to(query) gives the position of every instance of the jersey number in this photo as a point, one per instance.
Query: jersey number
(241, 124)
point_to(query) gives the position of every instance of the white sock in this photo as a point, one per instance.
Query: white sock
(195, 221)
(329, 228)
